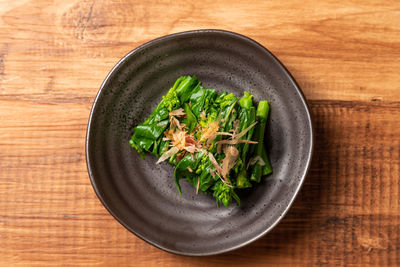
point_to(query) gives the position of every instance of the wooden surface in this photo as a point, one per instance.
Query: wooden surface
(345, 56)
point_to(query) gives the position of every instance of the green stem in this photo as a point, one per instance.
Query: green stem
(267, 169)
(262, 115)
(242, 181)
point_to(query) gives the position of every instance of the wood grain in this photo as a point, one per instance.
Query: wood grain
(345, 56)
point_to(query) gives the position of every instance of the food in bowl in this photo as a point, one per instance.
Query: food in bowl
(214, 140)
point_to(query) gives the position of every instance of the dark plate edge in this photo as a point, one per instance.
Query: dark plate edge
(292, 80)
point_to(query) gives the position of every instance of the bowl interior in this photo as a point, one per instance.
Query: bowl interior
(142, 195)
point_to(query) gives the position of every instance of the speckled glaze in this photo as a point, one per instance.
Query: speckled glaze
(142, 195)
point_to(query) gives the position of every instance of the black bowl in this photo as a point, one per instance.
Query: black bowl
(142, 195)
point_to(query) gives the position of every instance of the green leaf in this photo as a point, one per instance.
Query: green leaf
(182, 168)
(190, 119)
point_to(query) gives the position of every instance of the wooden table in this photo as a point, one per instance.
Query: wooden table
(346, 57)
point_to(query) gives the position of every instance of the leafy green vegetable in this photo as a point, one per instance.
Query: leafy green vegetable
(182, 171)
(242, 181)
(214, 140)
(262, 114)
(190, 120)
(224, 193)
(267, 169)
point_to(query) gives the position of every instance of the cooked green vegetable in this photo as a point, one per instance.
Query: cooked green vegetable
(215, 140)
(262, 114)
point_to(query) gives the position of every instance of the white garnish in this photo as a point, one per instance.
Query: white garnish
(177, 112)
(254, 160)
(231, 155)
(168, 154)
